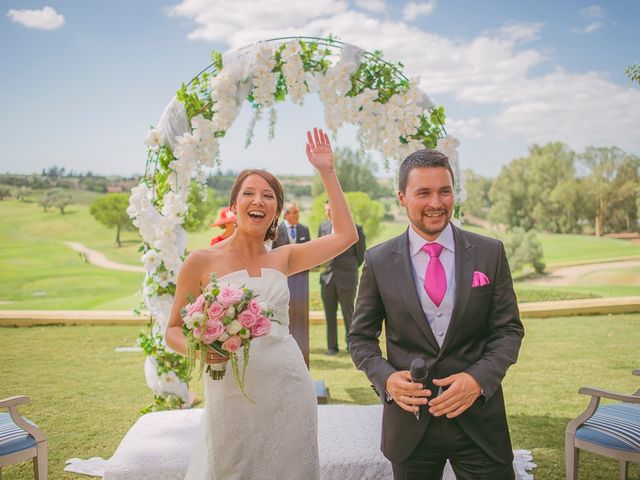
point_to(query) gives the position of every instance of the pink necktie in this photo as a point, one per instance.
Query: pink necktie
(435, 281)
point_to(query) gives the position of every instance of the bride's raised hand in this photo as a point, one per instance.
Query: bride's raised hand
(319, 150)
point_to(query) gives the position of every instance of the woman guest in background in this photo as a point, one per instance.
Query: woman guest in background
(275, 437)
(226, 220)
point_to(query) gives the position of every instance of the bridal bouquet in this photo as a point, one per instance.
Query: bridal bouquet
(224, 319)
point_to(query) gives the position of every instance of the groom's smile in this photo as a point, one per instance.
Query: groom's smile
(428, 199)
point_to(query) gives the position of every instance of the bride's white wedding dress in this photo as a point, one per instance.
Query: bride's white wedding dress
(275, 438)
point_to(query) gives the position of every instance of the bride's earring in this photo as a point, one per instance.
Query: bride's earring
(274, 225)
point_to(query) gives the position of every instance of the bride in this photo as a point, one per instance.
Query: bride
(275, 438)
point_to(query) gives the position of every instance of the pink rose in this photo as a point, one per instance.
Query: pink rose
(262, 327)
(253, 306)
(232, 344)
(215, 311)
(196, 306)
(247, 319)
(212, 331)
(229, 295)
(197, 332)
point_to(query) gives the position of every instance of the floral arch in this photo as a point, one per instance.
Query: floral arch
(392, 114)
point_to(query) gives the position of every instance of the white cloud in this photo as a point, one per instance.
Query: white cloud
(45, 19)
(593, 11)
(489, 75)
(240, 23)
(593, 16)
(376, 6)
(414, 10)
(592, 27)
(579, 109)
(466, 127)
(522, 32)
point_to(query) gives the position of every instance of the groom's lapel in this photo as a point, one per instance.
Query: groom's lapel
(465, 253)
(403, 274)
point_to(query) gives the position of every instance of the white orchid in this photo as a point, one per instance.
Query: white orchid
(151, 260)
(449, 146)
(169, 383)
(224, 89)
(154, 139)
(264, 80)
(294, 73)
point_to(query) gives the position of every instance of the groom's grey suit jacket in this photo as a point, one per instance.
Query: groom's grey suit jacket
(483, 338)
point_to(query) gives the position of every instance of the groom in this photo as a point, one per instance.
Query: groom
(445, 296)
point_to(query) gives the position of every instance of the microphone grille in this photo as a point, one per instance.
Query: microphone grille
(418, 368)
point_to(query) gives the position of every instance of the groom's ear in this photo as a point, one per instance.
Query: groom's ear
(401, 198)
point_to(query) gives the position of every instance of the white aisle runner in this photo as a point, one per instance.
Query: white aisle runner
(158, 447)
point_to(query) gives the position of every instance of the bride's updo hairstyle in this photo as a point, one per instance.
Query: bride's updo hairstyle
(274, 183)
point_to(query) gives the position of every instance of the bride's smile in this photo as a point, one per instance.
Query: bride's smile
(256, 205)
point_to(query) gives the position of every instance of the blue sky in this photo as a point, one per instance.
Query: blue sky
(82, 81)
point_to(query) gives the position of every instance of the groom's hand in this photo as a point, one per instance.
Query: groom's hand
(462, 392)
(408, 395)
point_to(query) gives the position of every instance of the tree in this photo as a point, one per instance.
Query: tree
(522, 248)
(55, 198)
(23, 193)
(111, 211)
(355, 174)
(611, 185)
(202, 207)
(54, 172)
(633, 72)
(365, 211)
(222, 182)
(477, 202)
(4, 192)
(529, 192)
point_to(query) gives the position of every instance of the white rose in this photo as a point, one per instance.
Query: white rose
(198, 319)
(223, 336)
(234, 327)
(189, 321)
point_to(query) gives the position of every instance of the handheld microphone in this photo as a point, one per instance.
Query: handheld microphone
(419, 374)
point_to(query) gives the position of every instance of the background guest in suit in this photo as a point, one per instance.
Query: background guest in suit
(227, 221)
(446, 296)
(291, 231)
(339, 282)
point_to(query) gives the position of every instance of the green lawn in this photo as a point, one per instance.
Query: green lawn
(575, 249)
(38, 271)
(86, 396)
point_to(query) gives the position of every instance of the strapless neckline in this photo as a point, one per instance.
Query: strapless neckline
(246, 272)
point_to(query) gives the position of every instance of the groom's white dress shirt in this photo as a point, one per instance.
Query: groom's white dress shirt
(438, 317)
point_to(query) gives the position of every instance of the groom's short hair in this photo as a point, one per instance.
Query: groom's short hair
(424, 158)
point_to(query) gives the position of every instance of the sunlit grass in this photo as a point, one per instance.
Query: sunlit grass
(86, 396)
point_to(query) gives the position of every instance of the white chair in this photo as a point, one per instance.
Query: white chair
(21, 439)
